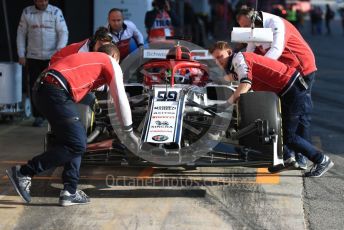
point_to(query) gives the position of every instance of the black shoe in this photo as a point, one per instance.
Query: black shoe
(319, 169)
(20, 182)
(67, 199)
(38, 122)
(289, 164)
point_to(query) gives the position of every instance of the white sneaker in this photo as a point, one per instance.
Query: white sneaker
(319, 169)
(67, 199)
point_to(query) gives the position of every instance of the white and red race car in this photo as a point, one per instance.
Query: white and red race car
(176, 89)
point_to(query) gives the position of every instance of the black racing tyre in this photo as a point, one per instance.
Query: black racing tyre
(264, 106)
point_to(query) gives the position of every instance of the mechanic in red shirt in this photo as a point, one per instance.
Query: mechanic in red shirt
(56, 93)
(123, 31)
(222, 52)
(100, 37)
(288, 47)
(260, 73)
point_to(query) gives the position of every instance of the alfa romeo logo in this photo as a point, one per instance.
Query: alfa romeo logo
(160, 138)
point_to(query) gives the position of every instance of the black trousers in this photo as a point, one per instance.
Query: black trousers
(35, 67)
(70, 139)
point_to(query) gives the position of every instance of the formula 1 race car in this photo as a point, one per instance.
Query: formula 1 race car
(176, 91)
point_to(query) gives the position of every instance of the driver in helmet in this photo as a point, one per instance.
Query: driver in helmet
(183, 75)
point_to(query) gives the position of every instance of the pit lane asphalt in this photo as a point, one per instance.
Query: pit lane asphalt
(147, 198)
(324, 197)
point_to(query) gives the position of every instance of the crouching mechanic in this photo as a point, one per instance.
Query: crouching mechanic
(260, 73)
(289, 47)
(56, 93)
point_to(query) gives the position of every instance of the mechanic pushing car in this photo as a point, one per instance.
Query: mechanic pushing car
(221, 52)
(123, 31)
(101, 37)
(260, 73)
(56, 93)
(288, 47)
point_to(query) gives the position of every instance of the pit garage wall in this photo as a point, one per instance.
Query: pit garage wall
(78, 15)
(82, 17)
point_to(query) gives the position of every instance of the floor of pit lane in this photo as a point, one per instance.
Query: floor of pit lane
(148, 198)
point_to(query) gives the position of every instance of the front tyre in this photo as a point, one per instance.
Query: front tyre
(264, 106)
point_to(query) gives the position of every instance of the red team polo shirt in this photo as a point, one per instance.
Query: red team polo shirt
(89, 70)
(82, 46)
(288, 46)
(85, 72)
(264, 74)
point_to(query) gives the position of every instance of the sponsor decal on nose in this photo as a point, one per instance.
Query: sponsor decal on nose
(160, 138)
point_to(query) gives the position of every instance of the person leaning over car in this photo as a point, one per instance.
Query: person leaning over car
(260, 73)
(55, 94)
(288, 47)
(221, 51)
(101, 37)
(42, 31)
(123, 31)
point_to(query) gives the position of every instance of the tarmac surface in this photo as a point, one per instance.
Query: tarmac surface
(323, 198)
(148, 198)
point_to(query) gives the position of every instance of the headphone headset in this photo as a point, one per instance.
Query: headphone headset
(256, 18)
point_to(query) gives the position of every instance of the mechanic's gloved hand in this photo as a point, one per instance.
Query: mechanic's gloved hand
(219, 108)
(130, 140)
